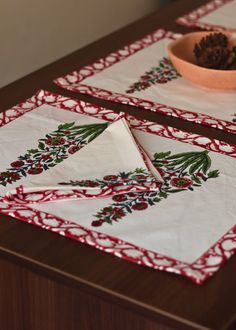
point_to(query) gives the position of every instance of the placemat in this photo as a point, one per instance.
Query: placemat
(215, 15)
(186, 227)
(142, 75)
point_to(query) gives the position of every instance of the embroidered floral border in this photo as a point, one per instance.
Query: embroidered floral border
(192, 18)
(198, 271)
(74, 82)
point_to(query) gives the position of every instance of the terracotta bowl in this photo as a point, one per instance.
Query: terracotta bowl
(182, 56)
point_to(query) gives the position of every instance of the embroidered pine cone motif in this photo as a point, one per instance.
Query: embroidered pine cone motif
(213, 52)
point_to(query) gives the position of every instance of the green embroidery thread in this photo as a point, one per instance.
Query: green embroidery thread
(51, 150)
(161, 74)
(181, 172)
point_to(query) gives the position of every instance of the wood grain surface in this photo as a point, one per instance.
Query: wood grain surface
(51, 282)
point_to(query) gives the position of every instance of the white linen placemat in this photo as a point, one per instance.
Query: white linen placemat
(142, 75)
(187, 227)
(215, 15)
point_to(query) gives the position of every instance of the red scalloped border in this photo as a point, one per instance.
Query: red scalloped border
(192, 18)
(62, 102)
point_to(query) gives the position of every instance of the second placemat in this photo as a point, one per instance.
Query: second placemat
(142, 75)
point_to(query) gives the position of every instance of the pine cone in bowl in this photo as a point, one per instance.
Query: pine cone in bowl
(184, 60)
(213, 52)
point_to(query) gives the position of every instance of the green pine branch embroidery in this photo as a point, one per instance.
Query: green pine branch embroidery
(51, 150)
(161, 74)
(181, 172)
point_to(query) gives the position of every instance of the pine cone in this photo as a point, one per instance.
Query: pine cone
(212, 51)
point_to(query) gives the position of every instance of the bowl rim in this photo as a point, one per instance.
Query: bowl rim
(203, 69)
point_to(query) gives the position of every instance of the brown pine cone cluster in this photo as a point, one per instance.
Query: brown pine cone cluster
(213, 52)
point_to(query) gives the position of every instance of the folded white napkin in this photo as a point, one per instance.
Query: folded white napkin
(110, 164)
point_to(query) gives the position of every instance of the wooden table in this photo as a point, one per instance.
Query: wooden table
(53, 283)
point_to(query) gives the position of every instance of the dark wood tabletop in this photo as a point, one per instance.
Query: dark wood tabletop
(52, 282)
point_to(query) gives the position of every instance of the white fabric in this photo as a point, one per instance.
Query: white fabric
(113, 152)
(182, 226)
(178, 93)
(23, 133)
(223, 16)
